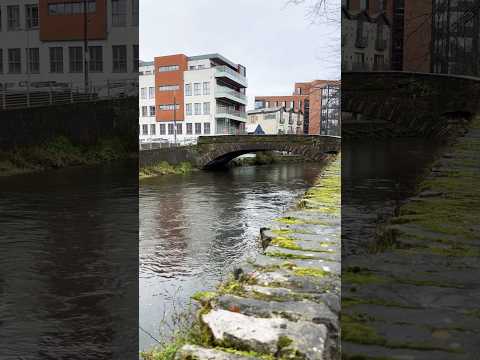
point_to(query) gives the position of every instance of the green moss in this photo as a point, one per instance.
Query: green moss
(204, 296)
(289, 220)
(284, 242)
(165, 168)
(358, 332)
(302, 271)
(246, 353)
(282, 255)
(361, 277)
(282, 232)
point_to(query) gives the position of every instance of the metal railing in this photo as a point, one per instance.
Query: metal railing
(220, 91)
(230, 71)
(46, 93)
(228, 110)
(165, 144)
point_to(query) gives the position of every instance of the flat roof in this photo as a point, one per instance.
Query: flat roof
(214, 56)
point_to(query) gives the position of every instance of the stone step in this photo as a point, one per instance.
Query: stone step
(189, 352)
(318, 313)
(268, 336)
(278, 252)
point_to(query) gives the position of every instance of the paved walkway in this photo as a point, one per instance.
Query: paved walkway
(417, 298)
(284, 303)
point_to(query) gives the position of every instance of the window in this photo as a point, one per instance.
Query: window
(364, 4)
(119, 58)
(144, 111)
(168, 88)
(198, 128)
(56, 60)
(206, 88)
(171, 130)
(152, 110)
(136, 59)
(75, 57)
(153, 129)
(119, 12)
(267, 104)
(1, 59)
(162, 129)
(198, 109)
(201, 66)
(13, 17)
(192, 67)
(196, 89)
(151, 92)
(96, 58)
(143, 93)
(299, 104)
(189, 129)
(188, 89)
(188, 109)
(31, 16)
(14, 61)
(206, 128)
(168, 68)
(179, 128)
(72, 8)
(135, 13)
(33, 60)
(206, 108)
(165, 107)
(145, 129)
(292, 104)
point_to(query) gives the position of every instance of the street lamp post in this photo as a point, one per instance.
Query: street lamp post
(85, 44)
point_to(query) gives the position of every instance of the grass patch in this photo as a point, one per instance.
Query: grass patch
(165, 168)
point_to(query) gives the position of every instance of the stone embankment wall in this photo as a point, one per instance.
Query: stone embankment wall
(416, 295)
(82, 123)
(285, 302)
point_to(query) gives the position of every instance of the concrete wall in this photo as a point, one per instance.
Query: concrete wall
(82, 123)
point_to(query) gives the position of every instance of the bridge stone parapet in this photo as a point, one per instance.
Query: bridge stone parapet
(406, 104)
(216, 151)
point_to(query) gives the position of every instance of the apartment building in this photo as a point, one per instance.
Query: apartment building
(307, 98)
(276, 120)
(366, 36)
(192, 96)
(43, 42)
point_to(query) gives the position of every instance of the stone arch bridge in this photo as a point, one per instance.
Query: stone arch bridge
(406, 104)
(216, 151)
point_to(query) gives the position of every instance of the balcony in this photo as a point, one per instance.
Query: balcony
(231, 76)
(380, 44)
(229, 113)
(229, 94)
(361, 41)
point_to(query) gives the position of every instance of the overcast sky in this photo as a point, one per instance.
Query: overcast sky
(278, 43)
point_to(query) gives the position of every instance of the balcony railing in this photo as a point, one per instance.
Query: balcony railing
(236, 75)
(380, 44)
(230, 111)
(221, 92)
(361, 41)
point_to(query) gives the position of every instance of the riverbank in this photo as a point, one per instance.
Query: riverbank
(414, 296)
(282, 303)
(59, 153)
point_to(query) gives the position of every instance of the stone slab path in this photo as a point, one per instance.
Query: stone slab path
(285, 303)
(418, 297)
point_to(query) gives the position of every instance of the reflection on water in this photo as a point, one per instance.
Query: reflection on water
(194, 228)
(68, 260)
(375, 176)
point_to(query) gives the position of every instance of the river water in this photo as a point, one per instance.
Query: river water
(377, 175)
(69, 264)
(195, 228)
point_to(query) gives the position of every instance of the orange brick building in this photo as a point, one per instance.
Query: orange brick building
(307, 97)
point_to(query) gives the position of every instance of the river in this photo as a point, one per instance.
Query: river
(69, 263)
(195, 228)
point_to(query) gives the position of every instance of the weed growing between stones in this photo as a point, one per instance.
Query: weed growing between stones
(165, 168)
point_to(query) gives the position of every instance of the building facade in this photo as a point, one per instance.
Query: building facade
(366, 37)
(183, 97)
(307, 98)
(276, 120)
(43, 42)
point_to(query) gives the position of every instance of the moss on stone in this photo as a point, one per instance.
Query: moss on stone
(164, 168)
(289, 220)
(284, 242)
(287, 256)
(303, 271)
(204, 296)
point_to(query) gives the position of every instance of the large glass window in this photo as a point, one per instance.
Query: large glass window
(119, 58)
(135, 12)
(144, 111)
(206, 128)
(206, 88)
(13, 17)
(189, 129)
(188, 109)
(96, 58)
(162, 129)
(145, 129)
(33, 60)
(119, 12)
(188, 89)
(206, 108)
(151, 92)
(171, 129)
(198, 128)
(14, 61)
(196, 89)
(56, 59)
(143, 93)
(152, 110)
(153, 129)
(31, 16)
(179, 128)
(198, 109)
(75, 55)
